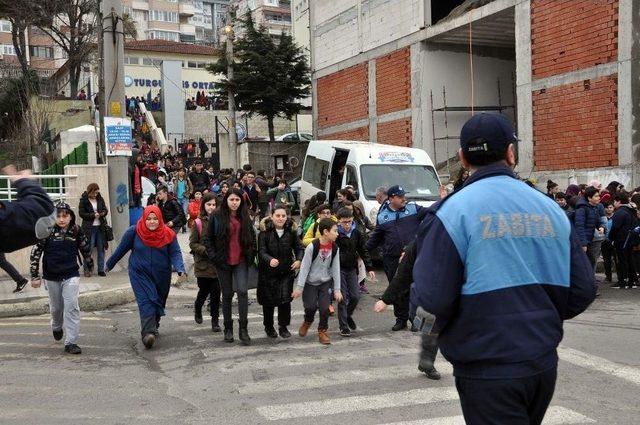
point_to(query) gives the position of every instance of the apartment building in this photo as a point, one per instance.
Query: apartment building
(42, 52)
(275, 15)
(186, 21)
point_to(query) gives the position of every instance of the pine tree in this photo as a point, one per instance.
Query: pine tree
(271, 74)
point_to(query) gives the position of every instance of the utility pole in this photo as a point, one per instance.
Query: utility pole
(112, 105)
(233, 136)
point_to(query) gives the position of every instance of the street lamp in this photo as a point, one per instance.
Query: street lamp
(233, 137)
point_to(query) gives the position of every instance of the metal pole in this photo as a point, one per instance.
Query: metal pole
(233, 137)
(112, 105)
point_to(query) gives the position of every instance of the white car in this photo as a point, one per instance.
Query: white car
(294, 137)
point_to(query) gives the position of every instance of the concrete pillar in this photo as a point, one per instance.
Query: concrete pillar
(417, 99)
(373, 102)
(172, 107)
(625, 81)
(523, 87)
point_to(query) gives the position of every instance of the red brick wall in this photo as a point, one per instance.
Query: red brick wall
(343, 97)
(567, 35)
(396, 132)
(576, 126)
(393, 81)
(361, 133)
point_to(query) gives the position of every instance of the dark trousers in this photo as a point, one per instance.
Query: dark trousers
(209, 287)
(8, 267)
(400, 307)
(96, 239)
(521, 401)
(610, 259)
(234, 279)
(284, 315)
(317, 298)
(350, 295)
(627, 272)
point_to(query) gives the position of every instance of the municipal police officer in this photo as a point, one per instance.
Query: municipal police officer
(395, 227)
(500, 267)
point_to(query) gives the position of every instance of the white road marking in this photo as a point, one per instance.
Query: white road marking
(358, 403)
(599, 364)
(235, 316)
(323, 354)
(307, 382)
(556, 415)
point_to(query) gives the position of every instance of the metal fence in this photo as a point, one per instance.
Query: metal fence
(55, 185)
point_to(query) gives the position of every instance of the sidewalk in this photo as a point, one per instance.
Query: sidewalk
(96, 293)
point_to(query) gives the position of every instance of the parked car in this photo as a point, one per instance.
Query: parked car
(294, 137)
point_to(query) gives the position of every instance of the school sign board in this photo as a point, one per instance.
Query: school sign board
(117, 135)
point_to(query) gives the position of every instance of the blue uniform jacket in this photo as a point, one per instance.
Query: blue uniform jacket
(500, 267)
(149, 271)
(395, 229)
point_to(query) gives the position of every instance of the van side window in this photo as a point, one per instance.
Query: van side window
(352, 178)
(315, 172)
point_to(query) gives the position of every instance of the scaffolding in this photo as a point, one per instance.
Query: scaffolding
(445, 109)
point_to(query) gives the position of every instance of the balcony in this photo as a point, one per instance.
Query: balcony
(186, 9)
(188, 29)
(140, 5)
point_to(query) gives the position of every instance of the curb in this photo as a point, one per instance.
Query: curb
(89, 301)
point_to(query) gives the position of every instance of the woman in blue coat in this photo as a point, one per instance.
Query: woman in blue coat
(154, 249)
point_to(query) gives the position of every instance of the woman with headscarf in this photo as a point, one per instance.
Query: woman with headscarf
(154, 249)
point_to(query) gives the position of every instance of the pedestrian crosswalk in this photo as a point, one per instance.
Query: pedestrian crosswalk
(371, 376)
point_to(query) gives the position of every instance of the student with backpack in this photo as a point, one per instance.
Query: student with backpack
(319, 272)
(312, 230)
(280, 255)
(60, 272)
(623, 222)
(351, 243)
(204, 270)
(231, 246)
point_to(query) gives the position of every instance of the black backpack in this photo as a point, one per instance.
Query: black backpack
(316, 250)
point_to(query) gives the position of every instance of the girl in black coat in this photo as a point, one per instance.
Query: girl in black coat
(93, 211)
(280, 255)
(231, 246)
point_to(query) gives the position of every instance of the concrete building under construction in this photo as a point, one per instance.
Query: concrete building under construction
(411, 72)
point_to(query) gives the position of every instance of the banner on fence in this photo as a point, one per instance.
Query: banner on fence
(118, 136)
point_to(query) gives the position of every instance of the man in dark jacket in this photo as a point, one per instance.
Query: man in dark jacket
(589, 218)
(200, 179)
(395, 227)
(500, 277)
(29, 217)
(352, 244)
(252, 190)
(172, 212)
(623, 220)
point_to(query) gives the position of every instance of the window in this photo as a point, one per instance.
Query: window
(5, 26)
(164, 35)
(150, 62)
(251, 4)
(128, 10)
(163, 16)
(271, 3)
(7, 49)
(315, 172)
(140, 15)
(41, 51)
(131, 60)
(202, 65)
(352, 178)
(419, 181)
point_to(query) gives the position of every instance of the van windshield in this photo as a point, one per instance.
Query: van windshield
(420, 182)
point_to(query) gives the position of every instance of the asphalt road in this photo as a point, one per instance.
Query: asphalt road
(193, 377)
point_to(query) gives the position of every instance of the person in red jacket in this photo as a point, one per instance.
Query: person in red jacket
(194, 208)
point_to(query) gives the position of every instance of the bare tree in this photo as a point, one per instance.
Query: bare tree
(72, 26)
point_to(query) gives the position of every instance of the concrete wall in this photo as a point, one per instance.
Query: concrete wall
(443, 67)
(344, 28)
(260, 154)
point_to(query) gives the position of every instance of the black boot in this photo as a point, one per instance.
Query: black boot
(197, 313)
(215, 325)
(284, 332)
(271, 332)
(428, 356)
(244, 334)
(228, 332)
